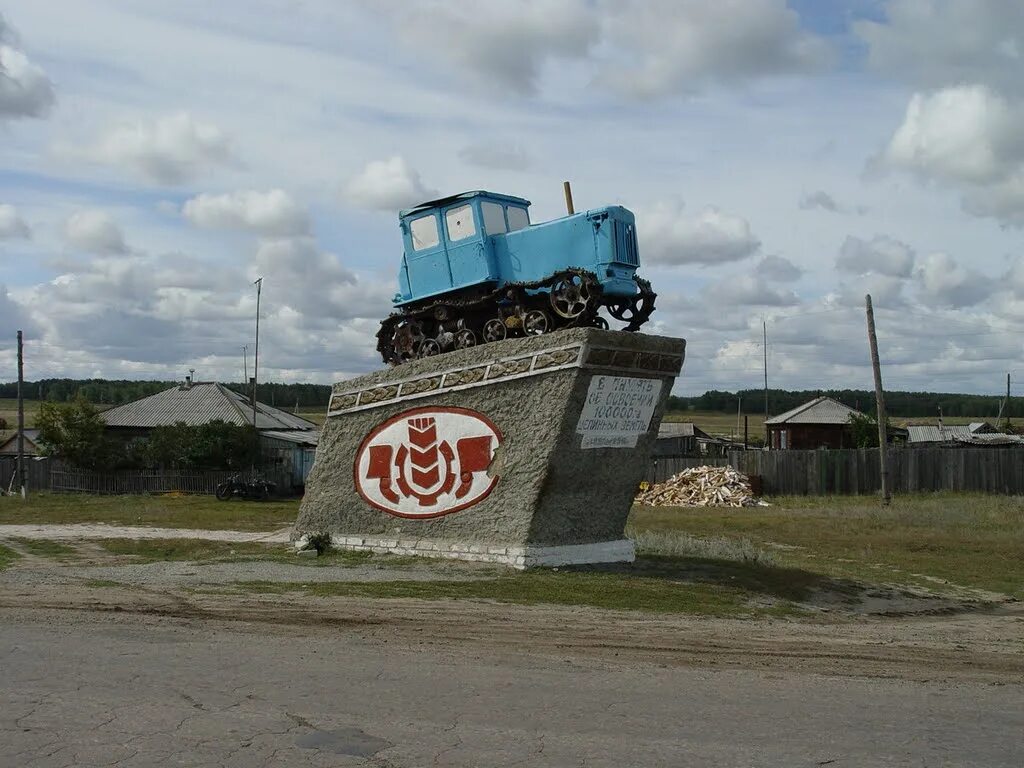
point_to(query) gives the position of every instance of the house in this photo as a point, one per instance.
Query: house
(9, 445)
(286, 440)
(978, 433)
(684, 438)
(821, 423)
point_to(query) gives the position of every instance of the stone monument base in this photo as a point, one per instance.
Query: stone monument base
(526, 452)
(517, 556)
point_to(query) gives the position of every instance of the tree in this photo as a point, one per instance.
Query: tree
(864, 430)
(217, 445)
(73, 432)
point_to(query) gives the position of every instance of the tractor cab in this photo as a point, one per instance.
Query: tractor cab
(449, 242)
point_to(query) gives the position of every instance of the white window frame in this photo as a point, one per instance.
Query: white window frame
(467, 227)
(525, 212)
(498, 209)
(419, 244)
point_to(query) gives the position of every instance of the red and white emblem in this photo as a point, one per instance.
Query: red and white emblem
(427, 462)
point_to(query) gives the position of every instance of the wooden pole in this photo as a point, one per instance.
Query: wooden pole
(21, 417)
(256, 357)
(1007, 399)
(879, 400)
(764, 328)
(568, 198)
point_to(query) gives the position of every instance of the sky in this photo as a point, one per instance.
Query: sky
(782, 159)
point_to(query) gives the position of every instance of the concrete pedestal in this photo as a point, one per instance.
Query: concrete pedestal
(526, 452)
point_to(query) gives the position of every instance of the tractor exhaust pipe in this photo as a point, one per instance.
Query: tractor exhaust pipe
(568, 198)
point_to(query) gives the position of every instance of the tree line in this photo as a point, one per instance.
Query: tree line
(896, 403)
(288, 396)
(119, 391)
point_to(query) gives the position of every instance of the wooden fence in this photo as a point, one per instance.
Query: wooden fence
(857, 471)
(51, 475)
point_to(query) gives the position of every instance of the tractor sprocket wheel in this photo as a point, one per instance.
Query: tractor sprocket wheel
(570, 296)
(465, 338)
(407, 340)
(494, 330)
(636, 309)
(536, 322)
(600, 322)
(429, 348)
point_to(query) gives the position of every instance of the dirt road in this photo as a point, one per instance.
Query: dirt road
(412, 685)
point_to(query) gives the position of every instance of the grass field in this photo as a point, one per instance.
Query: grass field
(203, 512)
(717, 561)
(969, 540)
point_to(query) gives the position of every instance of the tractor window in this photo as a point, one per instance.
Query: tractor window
(424, 232)
(494, 219)
(460, 223)
(518, 218)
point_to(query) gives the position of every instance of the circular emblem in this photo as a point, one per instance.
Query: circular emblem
(427, 462)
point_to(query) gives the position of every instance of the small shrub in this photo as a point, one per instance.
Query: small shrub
(321, 542)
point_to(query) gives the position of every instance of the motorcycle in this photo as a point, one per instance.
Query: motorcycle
(240, 487)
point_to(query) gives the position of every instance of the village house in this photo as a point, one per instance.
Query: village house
(684, 438)
(822, 423)
(975, 434)
(287, 441)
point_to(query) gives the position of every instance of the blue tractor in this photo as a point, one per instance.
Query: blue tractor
(475, 270)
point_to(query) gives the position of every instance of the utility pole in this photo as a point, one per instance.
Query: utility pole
(245, 361)
(1007, 399)
(258, 282)
(764, 328)
(879, 401)
(21, 417)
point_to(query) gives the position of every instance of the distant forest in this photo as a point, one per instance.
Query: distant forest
(896, 403)
(115, 392)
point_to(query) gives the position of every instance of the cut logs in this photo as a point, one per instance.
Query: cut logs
(701, 487)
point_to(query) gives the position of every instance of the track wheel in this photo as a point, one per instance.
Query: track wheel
(636, 309)
(429, 348)
(464, 339)
(570, 296)
(494, 330)
(536, 322)
(600, 322)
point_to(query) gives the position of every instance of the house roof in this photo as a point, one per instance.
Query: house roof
(300, 437)
(681, 429)
(948, 433)
(820, 410)
(201, 403)
(9, 443)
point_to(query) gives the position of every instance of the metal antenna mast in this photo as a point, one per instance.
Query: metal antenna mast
(258, 282)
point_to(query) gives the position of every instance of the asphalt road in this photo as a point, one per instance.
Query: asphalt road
(90, 689)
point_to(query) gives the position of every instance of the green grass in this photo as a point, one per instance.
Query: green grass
(9, 411)
(46, 548)
(160, 550)
(969, 540)
(7, 556)
(657, 590)
(203, 512)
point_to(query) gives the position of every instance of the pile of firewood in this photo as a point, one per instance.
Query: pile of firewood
(700, 487)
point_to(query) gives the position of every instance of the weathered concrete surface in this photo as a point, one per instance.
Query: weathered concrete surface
(550, 492)
(84, 690)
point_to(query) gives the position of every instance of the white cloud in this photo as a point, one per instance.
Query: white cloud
(659, 47)
(94, 231)
(886, 291)
(502, 156)
(388, 185)
(748, 290)
(880, 254)
(967, 136)
(171, 149)
(669, 236)
(965, 133)
(933, 43)
(11, 224)
(25, 89)
(819, 199)
(944, 282)
(500, 43)
(777, 269)
(272, 213)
